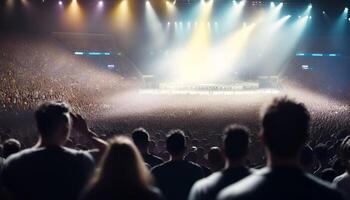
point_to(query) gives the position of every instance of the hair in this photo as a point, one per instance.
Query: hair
(216, 160)
(10, 147)
(121, 168)
(50, 115)
(176, 142)
(285, 127)
(141, 138)
(236, 141)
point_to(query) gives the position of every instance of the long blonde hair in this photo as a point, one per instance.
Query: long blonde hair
(121, 167)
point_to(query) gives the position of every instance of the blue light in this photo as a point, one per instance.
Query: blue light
(317, 55)
(79, 53)
(94, 53)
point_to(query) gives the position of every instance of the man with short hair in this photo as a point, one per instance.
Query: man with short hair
(49, 170)
(285, 130)
(176, 177)
(141, 139)
(236, 140)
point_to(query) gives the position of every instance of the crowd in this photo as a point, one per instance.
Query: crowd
(110, 159)
(124, 167)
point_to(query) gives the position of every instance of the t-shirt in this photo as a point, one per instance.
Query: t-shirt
(208, 188)
(152, 160)
(287, 183)
(342, 182)
(175, 178)
(47, 173)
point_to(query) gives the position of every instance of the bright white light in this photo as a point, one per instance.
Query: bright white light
(324, 12)
(100, 3)
(272, 4)
(310, 6)
(60, 3)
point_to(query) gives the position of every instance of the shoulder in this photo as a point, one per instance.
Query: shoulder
(210, 180)
(19, 156)
(155, 193)
(342, 177)
(193, 165)
(160, 167)
(244, 187)
(324, 187)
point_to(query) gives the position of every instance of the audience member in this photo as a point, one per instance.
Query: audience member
(342, 182)
(176, 177)
(216, 160)
(235, 150)
(11, 146)
(49, 170)
(121, 175)
(141, 138)
(285, 131)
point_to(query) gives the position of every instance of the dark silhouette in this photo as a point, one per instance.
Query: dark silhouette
(141, 138)
(121, 175)
(285, 131)
(216, 159)
(176, 177)
(11, 146)
(49, 170)
(342, 182)
(235, 150)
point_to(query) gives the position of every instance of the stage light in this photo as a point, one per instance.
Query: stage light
(324, 12)
(100, 3)
(349, 19)
(171, 8)
(280, 23)
(24, 2)
(272, 4)
(310, 6)
(153, 24)
(60, 3)
(74, 15)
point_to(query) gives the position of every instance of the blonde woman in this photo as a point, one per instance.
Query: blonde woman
(121, 175)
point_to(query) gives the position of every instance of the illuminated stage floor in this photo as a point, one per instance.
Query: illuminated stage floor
(207, 92)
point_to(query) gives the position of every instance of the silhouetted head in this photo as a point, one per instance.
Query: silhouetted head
(10, 147)
(141, 139)
(216, 160)
(285, 127)
(53, 121)
(176, 143)
(236, 140)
